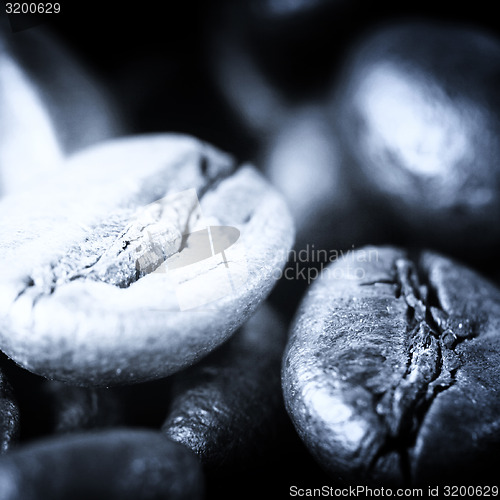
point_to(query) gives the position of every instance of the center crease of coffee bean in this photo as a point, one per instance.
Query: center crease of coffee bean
(431, 365)
(129, 243)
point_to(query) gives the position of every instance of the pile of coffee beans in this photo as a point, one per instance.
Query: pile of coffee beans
(250, 250)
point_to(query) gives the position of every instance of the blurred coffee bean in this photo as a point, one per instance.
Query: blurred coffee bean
(295, 44)
(81, 408)
(226, 407)
(277, 10)
(305, 161)
(9, 414)
(49, 407)
(391, 373)
(115, 464)
(420, 116)
(144, 405)
(50, 106)
(87, 248)
(300, 152)
(172, 92)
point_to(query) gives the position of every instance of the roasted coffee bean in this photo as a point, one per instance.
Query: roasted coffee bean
(420, 115)
(299, 151)
(391, 374)
(293, 43)
(305, 161)
(226, 406)
(281, 10)
(298, 144)
(80, 408)
(48, 407)
(121, 464)
(9, 415)
(49, 106)
(108, 278)
(146, 404)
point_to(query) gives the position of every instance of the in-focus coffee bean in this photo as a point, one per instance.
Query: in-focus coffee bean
(110, 276)
(116, 464)
(227, 405)
(391, 374)
(420, 116)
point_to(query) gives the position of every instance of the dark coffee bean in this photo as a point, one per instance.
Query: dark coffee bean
(107, 279)
(420, 115)
(146, 404)
(9, 415)
(278, 10)
(305, 161)
(294, 44)
(49, 407)
(299, 151)
(49, 106)
(79, 408)
(118, 464)
(224, 408)
(391, 374)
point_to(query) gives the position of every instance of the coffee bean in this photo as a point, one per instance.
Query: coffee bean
(282, 10)
(121, 464)
(391, 374)
(79, 299)
(48, 407)
(300, 152)
(9, 415)
(79, 408)
(293, 43)
(50, 106)
(420, 116)
(226, 406)
(305, 161)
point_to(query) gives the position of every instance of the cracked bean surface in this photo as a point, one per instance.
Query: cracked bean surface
(74, 304)
(391, 374)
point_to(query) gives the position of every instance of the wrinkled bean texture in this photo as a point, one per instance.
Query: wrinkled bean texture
(228, 404)
(9, 415)
(71, 250)
(393, 377)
